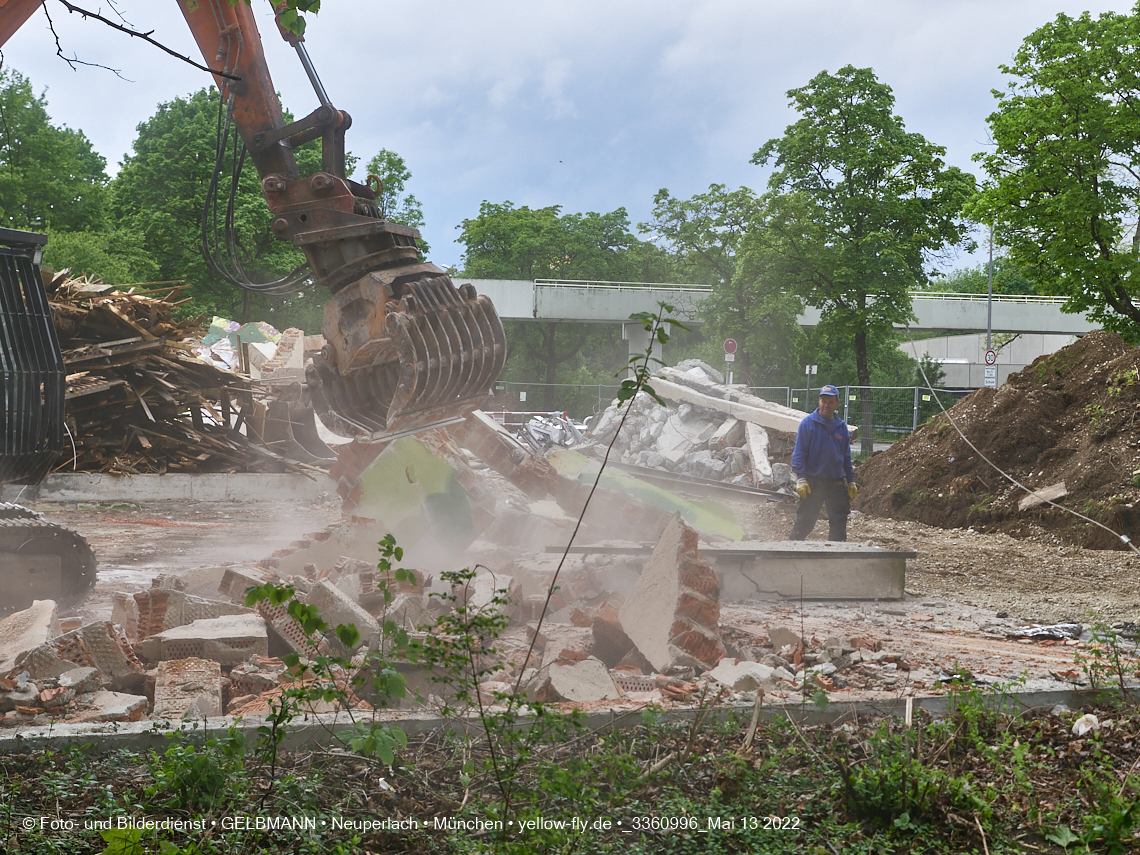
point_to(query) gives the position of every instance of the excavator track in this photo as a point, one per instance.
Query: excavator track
(40, 560)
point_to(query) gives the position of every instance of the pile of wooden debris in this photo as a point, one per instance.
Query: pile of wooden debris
(138, 399)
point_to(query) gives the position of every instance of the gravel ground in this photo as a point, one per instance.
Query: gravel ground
(1035, 580)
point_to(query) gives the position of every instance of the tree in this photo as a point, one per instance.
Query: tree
(50, 177)
(856, 205)
(160, 193)
(709, 236)
(1064, 175)
(395, 205)
(118, 256)
(1009, 278)
(505, 242)
(703, 233)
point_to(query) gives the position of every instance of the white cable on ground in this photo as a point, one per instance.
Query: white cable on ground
(1125, 539)
(74, 453)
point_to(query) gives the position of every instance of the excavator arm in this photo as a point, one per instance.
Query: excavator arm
(405, 349)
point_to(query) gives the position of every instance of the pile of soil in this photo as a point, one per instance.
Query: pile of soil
(1070, 416)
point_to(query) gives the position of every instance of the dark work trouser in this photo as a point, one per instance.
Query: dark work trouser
(834, 495)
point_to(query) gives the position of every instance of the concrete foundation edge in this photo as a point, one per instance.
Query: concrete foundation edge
(320, 730)
(205, 487)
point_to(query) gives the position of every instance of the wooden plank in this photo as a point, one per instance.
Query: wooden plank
(1040, 497)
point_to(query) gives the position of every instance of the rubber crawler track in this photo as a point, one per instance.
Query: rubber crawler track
(26, 532)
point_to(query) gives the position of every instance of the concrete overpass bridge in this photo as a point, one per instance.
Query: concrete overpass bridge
(614, 302)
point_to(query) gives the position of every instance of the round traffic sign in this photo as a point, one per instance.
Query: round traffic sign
(730, 345)
(991, 357)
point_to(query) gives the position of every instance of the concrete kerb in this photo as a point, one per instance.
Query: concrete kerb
(203, 487)
(320, 730)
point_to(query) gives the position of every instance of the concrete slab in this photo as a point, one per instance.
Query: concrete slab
(744, 676)
(673, 613)
(757, 444)
(104, 706)
(228, 640)
(336, 608)
(203, 487)
(101, 645)
(730, 401)
(160, 609)
(23, 630)
(587, 680)
(187, 688)
(820, 570)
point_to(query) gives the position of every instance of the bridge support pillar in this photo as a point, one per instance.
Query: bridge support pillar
(638, 339)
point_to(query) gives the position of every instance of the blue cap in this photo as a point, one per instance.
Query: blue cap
(829, 390)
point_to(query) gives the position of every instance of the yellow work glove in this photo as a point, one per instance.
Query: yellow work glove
(852, 490)
(802, 488)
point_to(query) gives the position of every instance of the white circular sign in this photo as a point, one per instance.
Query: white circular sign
(991, 357)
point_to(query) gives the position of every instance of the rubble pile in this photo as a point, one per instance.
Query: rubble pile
(1064, 426)
(138, 399)
(706, 430)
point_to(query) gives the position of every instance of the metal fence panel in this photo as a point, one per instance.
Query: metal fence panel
(895, 410)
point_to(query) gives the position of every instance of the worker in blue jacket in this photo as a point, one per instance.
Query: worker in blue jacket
(821, 462)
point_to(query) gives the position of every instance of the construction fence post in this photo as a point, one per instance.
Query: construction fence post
(914, 427)
(846, 400)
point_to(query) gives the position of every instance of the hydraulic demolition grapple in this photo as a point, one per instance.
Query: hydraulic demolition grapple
(38, 560)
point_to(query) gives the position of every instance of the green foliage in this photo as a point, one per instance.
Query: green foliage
(160, 192)
(657, 325)
(708, 237)
(508, 242)
(395, 204)
(50, 177)
(1009, 279)
(1062, 187)
(929, 370)
(292, 13)
(193, 777)
(117, 256)
(505, 242)
(855, 207)
(703, 234)
(326, 673)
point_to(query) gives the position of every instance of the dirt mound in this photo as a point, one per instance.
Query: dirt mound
(1070, 416)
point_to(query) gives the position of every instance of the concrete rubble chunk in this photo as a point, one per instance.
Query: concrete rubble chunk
(160, 609)
(85, 679)
(235, 581)
(682, 387)
(729, 435)
(101, 645)
(758, 443)
(258, 674)
(744, 676)
(125, 613)
(490, 442)
(565, 642)
(227, 640)
(108, 706)
(286, 634)
(782, 637)
(582, 681)
(672, 616)
(336, 608)
(480, 592)
(23, 630)
(24, 694)
(407, 611)
(187, 688)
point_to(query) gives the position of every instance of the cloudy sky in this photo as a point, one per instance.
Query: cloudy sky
(589, 105)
